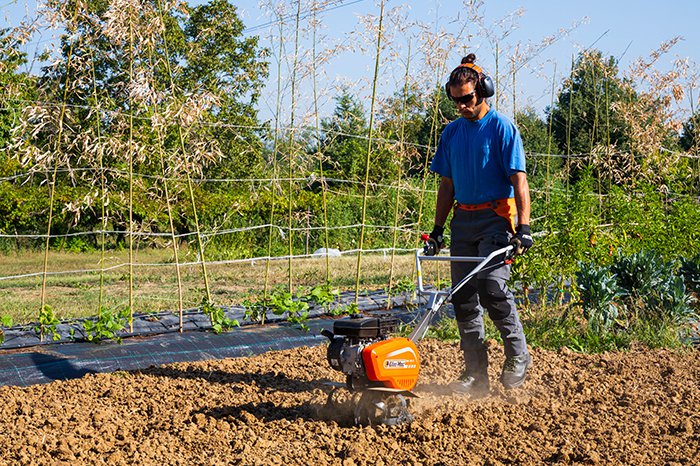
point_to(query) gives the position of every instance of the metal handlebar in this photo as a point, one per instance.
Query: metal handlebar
(437, 298)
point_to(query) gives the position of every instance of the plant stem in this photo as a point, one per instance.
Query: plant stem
(52, 184)
(402, 153)
(369, 153)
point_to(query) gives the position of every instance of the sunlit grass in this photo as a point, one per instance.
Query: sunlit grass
(76, 294)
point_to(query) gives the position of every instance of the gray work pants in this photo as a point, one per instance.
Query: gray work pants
(478, 233)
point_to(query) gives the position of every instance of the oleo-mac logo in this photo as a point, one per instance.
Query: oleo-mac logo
(401, 363)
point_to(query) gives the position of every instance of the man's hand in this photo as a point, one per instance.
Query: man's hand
(522, 241)
(435, 241)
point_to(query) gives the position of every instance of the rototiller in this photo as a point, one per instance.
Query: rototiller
(380, 370)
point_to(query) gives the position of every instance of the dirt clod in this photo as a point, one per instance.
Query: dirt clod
(638, 407)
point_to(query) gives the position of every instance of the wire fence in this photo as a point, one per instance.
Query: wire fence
(118, 170)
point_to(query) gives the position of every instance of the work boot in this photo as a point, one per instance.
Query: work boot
(474, 385)
(515, 370)
(474, 381)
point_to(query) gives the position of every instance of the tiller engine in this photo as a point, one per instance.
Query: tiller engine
(380, 371)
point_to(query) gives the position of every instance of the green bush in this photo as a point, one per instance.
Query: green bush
(634, 295)
(672, 302)
(600, 293)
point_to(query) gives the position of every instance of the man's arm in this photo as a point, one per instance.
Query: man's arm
(522, 197)
(445, 200)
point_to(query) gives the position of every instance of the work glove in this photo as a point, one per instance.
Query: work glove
(522, 241)
(434, 242)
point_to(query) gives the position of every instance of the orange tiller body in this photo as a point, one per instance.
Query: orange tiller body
(393, 362)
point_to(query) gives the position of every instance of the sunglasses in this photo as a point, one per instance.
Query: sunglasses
(465, 99)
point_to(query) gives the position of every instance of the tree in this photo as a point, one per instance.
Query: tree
(584, 115)
(534, 132)
(189, 65)
(16, 88)
(221, 61)
(343, 142)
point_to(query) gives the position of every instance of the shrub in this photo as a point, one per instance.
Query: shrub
(600, 295)
(639, 292)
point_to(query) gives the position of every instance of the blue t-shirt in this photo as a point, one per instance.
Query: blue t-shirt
(480, 156)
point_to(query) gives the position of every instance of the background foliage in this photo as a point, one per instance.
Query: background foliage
(144, 125)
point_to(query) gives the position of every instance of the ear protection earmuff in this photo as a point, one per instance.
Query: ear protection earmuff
(484, 84)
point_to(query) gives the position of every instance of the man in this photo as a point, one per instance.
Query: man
(481, 160)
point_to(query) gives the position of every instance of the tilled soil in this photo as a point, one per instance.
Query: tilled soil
(638, 407)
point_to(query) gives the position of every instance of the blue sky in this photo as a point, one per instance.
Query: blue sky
(625, 29)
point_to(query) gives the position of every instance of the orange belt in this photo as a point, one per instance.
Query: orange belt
(504, 207)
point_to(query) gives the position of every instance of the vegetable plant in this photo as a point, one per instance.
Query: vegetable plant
(674, 302)
(47, 323)
(5, 321)
(283, 302)
(323, 295)
(106, 325)
(642, 273)
(255, 310)
(219, 321)
(599, 293)
(690, 269)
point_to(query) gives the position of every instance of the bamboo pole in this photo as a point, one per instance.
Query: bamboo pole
(52, 184)
(173, 236)
(515, 112)
(369, 153)
(190, 188)
(548, 175)
(593, 134)
(320, 155)
(549, 143)
(607, 125)
(568, 125)
(290, 192)
(498, 94)
(402, 138)
(102, 182)
(432, 138)
(131, 181)
(275, 152)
